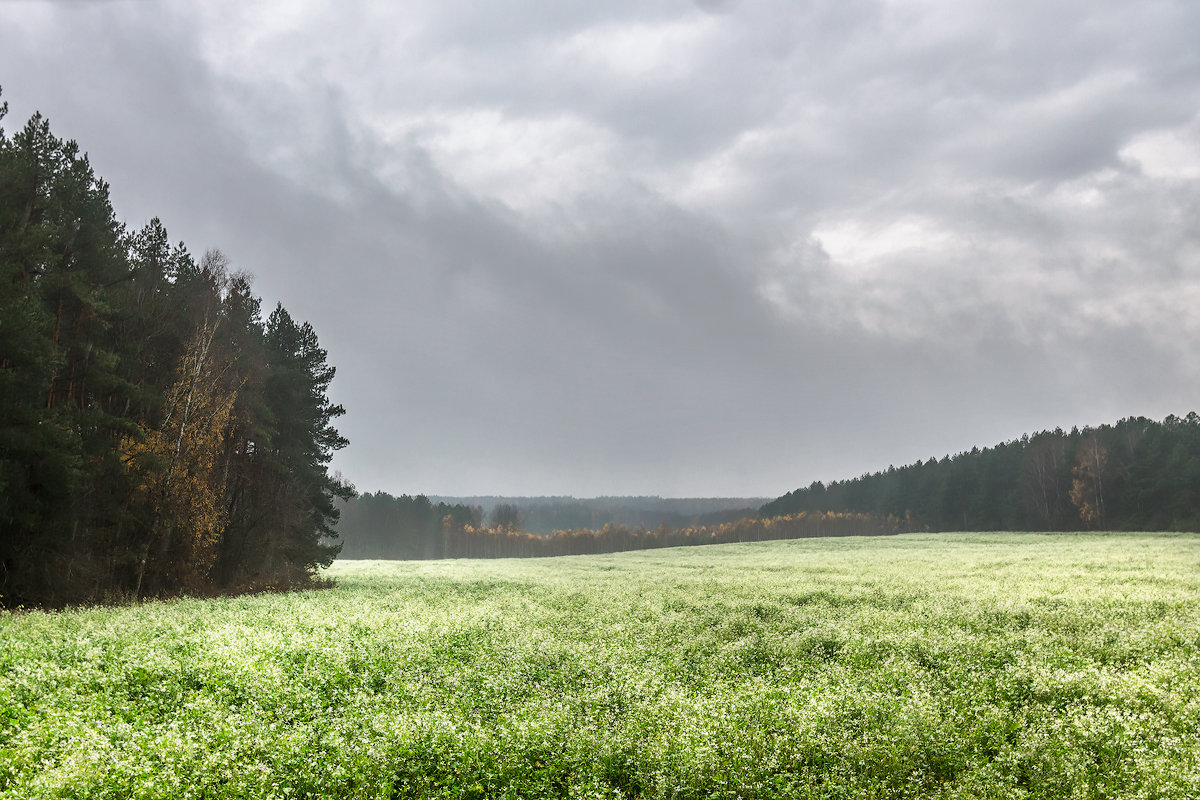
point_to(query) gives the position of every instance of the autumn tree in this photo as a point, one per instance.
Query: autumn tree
(506, 515)
(181, 460)
(153, 438)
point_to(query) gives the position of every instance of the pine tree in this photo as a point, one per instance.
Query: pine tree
(288, 484)
(61, 259)
(155, 436)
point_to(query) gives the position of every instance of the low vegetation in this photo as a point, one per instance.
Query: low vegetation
(947, 666)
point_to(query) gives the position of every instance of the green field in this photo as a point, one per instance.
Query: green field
(982, 665)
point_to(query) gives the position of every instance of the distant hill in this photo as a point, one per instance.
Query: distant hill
(1135, 475)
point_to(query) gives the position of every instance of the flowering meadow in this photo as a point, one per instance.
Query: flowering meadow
(915, 666)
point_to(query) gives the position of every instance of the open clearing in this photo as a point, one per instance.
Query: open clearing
(947, 665)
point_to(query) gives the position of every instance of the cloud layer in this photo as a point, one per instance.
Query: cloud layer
(689, 249)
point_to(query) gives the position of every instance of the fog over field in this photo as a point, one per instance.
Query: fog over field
(664, 248)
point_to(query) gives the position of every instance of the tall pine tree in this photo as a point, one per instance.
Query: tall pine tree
(155, 436)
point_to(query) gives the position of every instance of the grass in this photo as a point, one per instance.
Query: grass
(939, 666)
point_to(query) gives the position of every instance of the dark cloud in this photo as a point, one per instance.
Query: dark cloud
(721, 248)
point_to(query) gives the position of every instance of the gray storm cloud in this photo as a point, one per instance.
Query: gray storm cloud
(688, 249)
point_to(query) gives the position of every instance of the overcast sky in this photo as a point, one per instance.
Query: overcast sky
(709, 248)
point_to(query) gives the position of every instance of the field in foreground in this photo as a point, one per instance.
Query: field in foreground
(1004, 665)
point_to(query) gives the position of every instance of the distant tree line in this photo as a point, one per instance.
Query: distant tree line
(156, 435)
(1135, 475)
(382, 526)
(544, 515)
(378, 525)
(466, 541)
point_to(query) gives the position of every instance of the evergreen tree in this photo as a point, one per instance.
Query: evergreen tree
(299, 492)
(1137, 474)
(155, 437)
(61, 255)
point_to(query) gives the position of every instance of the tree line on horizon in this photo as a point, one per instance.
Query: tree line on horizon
(378, 525)
(1138, 474)
(157, 436)
(647, 512)
(407, 528)
(401, 527)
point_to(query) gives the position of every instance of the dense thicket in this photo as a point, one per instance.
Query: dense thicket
(156, 435)
(1135, 475)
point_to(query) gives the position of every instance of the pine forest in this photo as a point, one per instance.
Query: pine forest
(157, 435)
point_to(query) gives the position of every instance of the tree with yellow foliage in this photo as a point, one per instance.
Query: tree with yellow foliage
(182, 471)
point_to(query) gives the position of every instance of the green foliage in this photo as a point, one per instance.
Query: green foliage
(60, 381)
(918, 666)
(1136, 475)
(140, 405)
